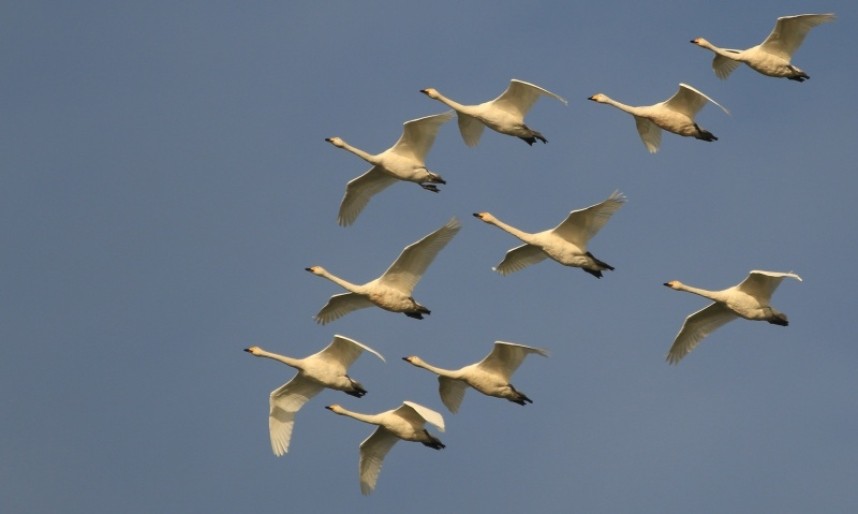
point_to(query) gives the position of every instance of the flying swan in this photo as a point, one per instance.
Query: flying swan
(392, 290)
(405, 422)
(405, 160)
(749, 300)
(504, 114)
(566, 243)
(490, 376)
(676, 114)
(325, 369)
(771, 57)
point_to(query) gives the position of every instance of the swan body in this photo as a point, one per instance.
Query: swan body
(750, 300)
(566, 243)
(392, 290)
(405, 160)
(773, 56)
(325, 369)
(676, 114)
(490, 376)
(504, 114)
(405, 422)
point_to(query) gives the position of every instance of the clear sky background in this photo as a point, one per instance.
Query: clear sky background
(165, 181)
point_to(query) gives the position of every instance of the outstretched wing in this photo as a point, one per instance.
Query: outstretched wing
(520, 96)
(697, 326)
(419, 135)
(519, 258)
(688, 101)
(407, 269)
(372, 452)
(505, 357)
(359, 191)
(452, 392)
(283, 403)
(344, 351)
(789, 33)
(471, 129)
(341, 304)
(582, 224)
(761, 284)
(650, 133)
(724, 66)
(418, 414)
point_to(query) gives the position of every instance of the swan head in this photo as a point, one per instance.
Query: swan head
(431, 92)
(339, 143)
(484, 216)
(599, 97)
(335, 408)
(316, 270)
(254, 350)
(699, 41)
(412, 359)
(674, 284)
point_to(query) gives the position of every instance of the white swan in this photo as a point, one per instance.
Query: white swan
(490, 376)
(676, 114)
(566, 243)
(771, 57)
(749, 299)
(405, 160)
(325, 369)
(504, 114)
(392, 290)
(405, 422)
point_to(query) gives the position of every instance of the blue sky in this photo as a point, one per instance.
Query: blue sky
(165, 182)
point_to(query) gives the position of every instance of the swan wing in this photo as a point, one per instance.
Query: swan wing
(724, 66)
(344, 351)
(471, 129)
(407, 269)
(789, 33)
(582, 224)
(650, 133)
(417, 414)
(697, 326)
(519, 258)
(452, 392)
(283, 403)
(372, 452)
(761, 284)
(341, 304)
(506, 357)
(688, 101)
(359, 190)
(419, 135)
(520, 96)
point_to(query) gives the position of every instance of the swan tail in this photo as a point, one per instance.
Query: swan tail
(433, 442)
(704, 135)
(599, 266)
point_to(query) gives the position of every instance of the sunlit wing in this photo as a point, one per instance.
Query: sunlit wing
(419, 135)
(790, 31)
(506, 357)
(723, 66)
(471, 129)
(284, 402)
(582, 224)
(762, 284)
(417, 414)
(520, 96)
(344, 351)
(359, 191)
(407, 269)
(697, 326)
(519, 258)
(688, 101)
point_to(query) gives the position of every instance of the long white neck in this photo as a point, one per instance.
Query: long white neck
(524, 236)
(345, 284)
(719, 51)
(372, 419)
(717, 296)
(289, 361)
(454, 104)
(360, 153)
(631, 109)
(450, 373)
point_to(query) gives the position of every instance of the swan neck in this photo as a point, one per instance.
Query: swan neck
(289, 361)
(434, 369)
(360, 153)
(366, 418)
(621, 106)
(712, 295)
(345, 284)
(452, 103)
(524, 236)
